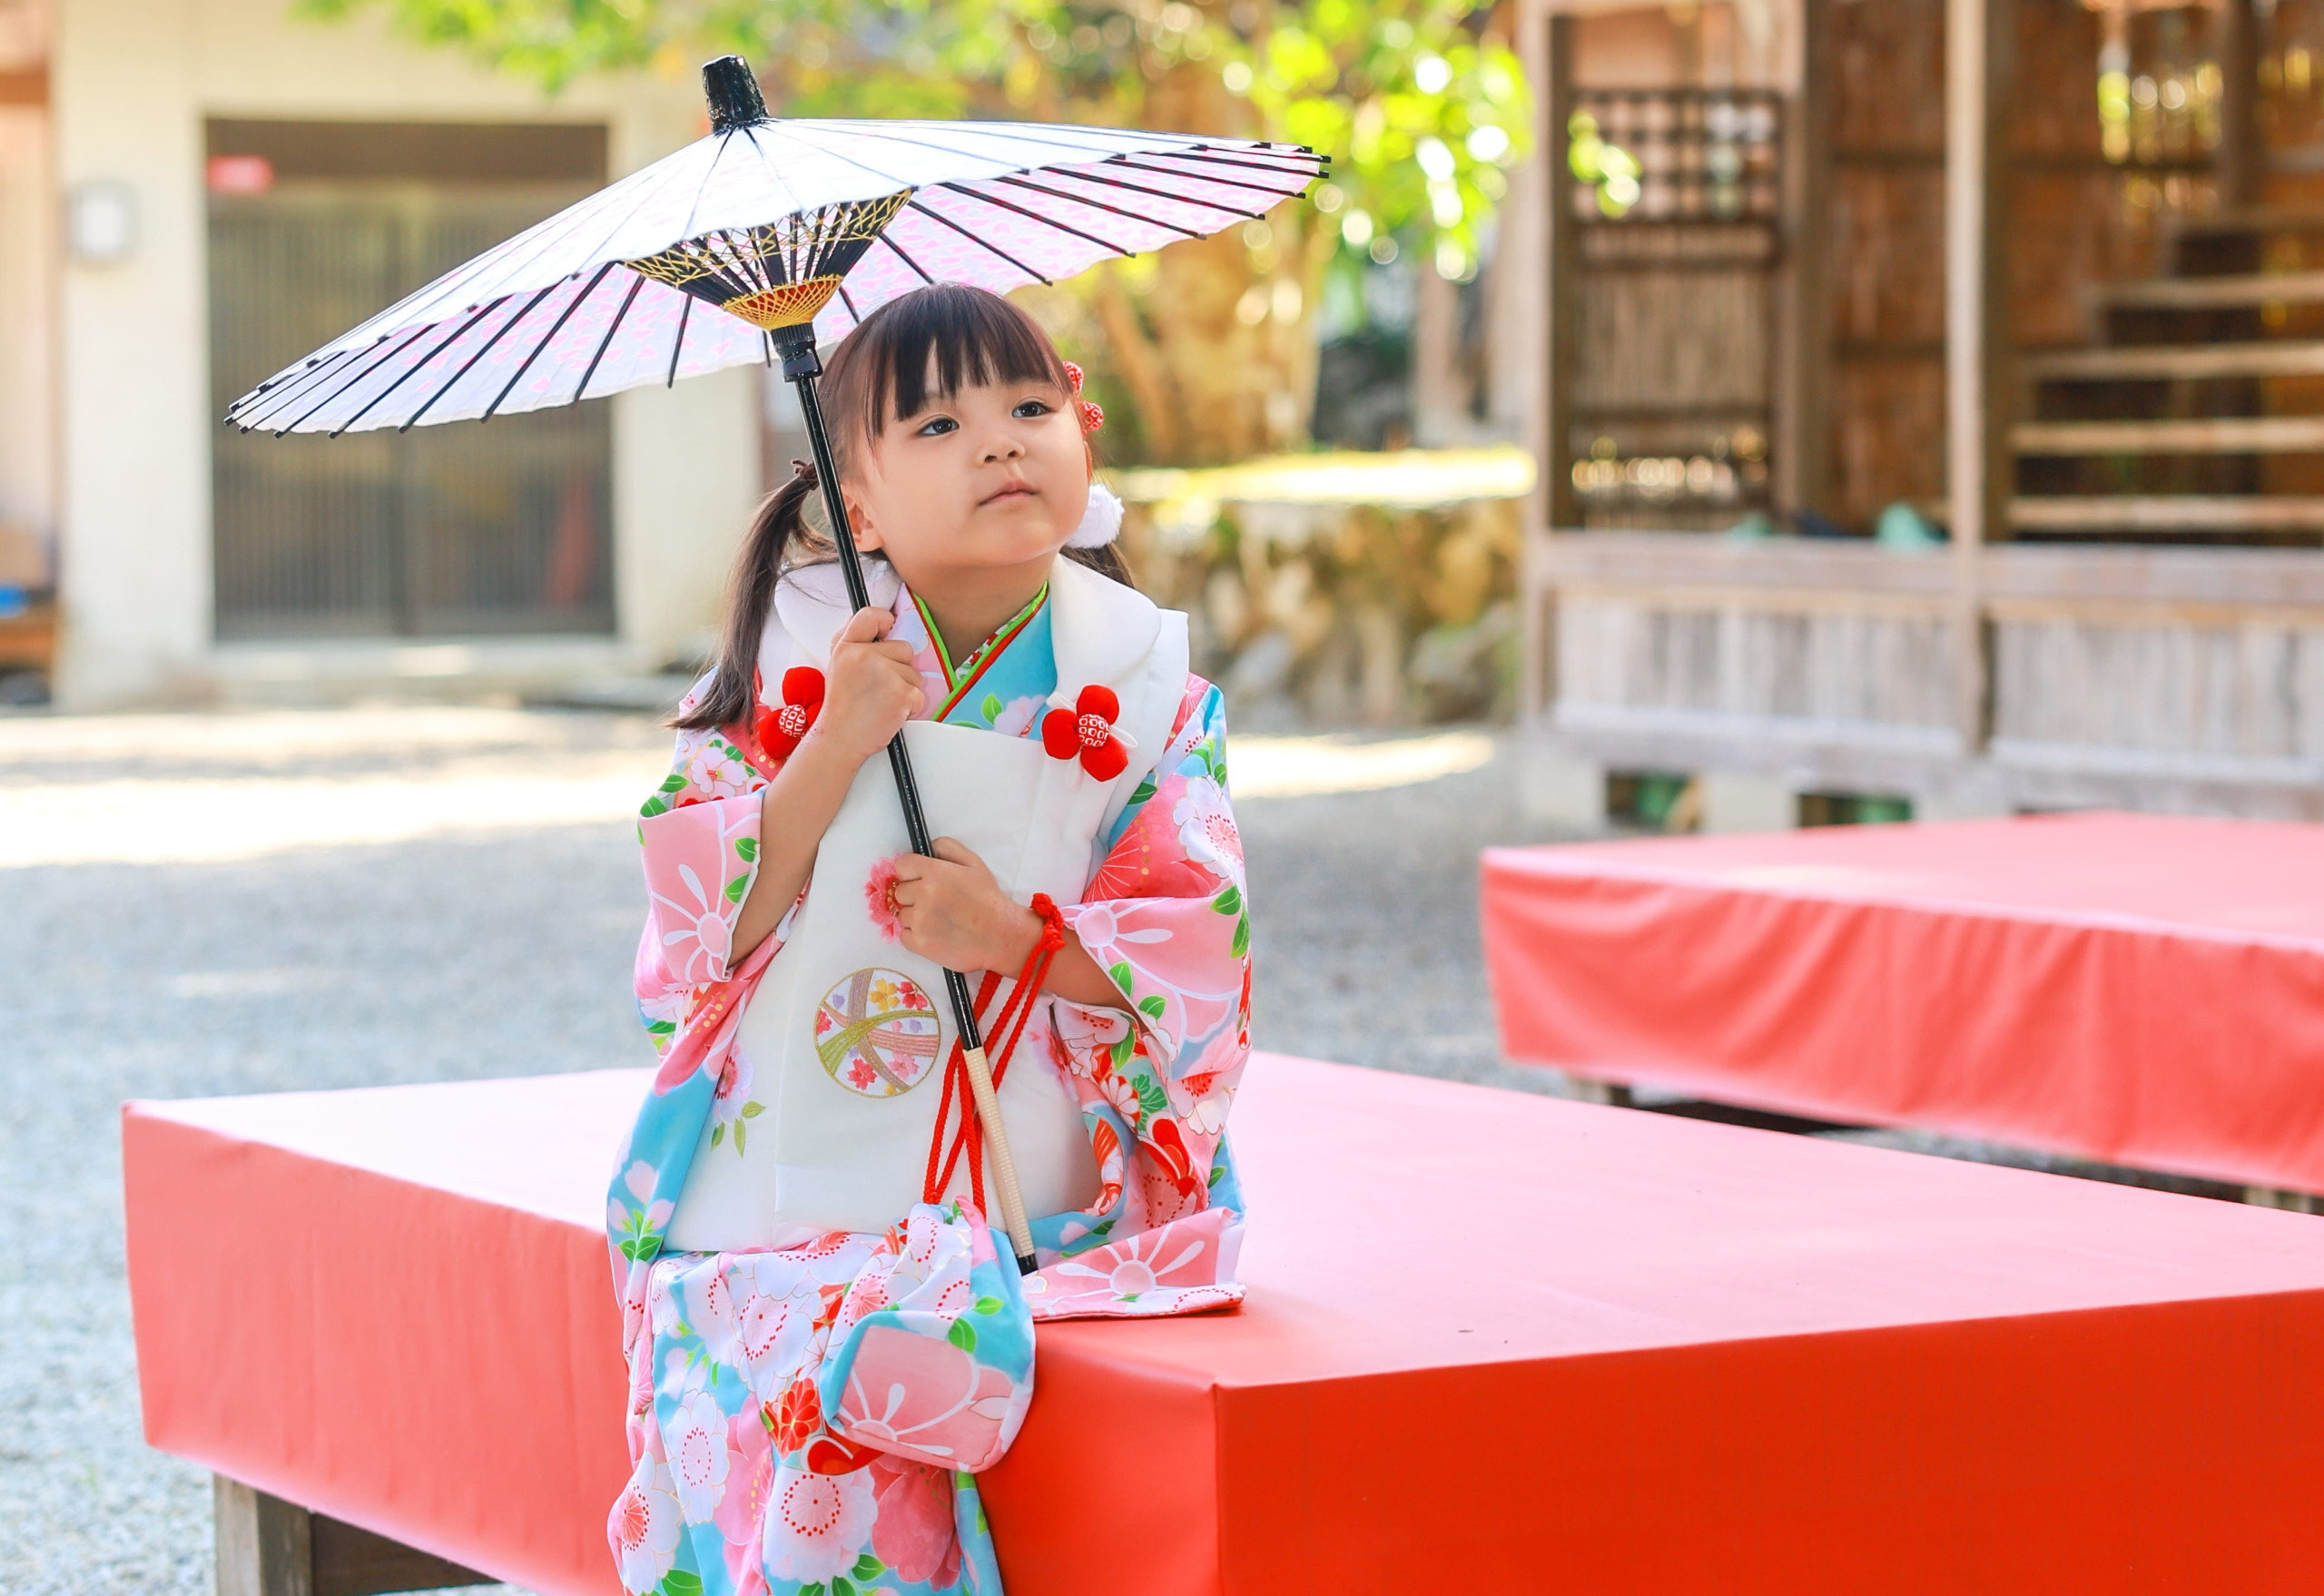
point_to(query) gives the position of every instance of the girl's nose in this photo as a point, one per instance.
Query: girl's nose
(1003, 447)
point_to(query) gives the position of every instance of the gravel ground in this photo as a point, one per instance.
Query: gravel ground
(177, 950)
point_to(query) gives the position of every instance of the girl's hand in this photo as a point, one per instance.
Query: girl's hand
(870, 690)
(950, 910)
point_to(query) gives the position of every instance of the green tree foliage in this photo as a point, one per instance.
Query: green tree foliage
(1419, 102)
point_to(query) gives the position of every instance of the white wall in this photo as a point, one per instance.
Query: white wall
(27, 297)
(132, 83)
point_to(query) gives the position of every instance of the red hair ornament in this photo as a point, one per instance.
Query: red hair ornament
(1092, 416)
(1088, 731)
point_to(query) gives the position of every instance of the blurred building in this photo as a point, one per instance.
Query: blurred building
(195, 194)
(1930, 397)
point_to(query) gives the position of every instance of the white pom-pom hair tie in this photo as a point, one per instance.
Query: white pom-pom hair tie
(1101, 523)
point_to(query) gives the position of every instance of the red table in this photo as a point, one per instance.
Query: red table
(2137, 989)
(1493, 1343)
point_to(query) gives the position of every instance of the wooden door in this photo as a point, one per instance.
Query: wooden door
(462, 529)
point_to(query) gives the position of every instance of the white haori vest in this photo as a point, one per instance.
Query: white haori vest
(845, 1040)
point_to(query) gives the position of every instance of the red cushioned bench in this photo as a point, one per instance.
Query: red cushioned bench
(1493, 1343)
(2141, 989)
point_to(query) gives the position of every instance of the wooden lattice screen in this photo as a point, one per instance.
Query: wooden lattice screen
(1677, 203)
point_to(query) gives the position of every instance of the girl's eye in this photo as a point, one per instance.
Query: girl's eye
(936, 427)
(1028, 408)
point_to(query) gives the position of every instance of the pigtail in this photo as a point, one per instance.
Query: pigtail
(1106, 559)
(779, 523)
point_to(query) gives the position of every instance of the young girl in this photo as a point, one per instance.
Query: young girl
(824, 1344)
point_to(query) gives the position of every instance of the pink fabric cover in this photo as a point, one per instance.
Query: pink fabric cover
(1512, 1343)
(2139, 988)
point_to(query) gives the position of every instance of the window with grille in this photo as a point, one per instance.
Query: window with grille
(467, 528)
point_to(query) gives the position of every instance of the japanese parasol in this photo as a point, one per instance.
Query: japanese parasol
(785, 232)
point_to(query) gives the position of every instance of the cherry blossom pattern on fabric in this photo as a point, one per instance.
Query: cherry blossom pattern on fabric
(780, 728)
(643, 1526)
(1088, 731)
(876, 1033)
(880, 899)
(1206, 828)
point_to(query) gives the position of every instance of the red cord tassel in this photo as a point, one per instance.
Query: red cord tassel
(1008, 1025)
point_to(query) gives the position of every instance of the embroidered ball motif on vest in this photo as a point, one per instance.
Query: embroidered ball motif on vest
(877, 1032)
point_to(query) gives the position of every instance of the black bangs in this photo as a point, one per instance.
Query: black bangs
(965, 337)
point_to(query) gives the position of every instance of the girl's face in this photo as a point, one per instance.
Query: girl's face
(983, 483)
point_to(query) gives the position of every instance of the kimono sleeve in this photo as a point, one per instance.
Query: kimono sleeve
(699, 834)
(1164, 913)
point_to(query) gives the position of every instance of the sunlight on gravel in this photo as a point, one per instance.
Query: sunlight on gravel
(61, 802)
(1307, 767)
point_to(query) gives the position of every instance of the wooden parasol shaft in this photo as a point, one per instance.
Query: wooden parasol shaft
(801, 367)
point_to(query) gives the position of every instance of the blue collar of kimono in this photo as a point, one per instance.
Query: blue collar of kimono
(1004, 682)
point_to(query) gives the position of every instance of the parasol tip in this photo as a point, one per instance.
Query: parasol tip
(733, 91)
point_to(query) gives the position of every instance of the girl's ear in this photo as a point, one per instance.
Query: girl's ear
(867, 530)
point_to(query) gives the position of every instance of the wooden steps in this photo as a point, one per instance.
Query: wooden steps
(2183, 512)
(2179, 362)
(2217, 435)
(2215, 293)
(2145, 468)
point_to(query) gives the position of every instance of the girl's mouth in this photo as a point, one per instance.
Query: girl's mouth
(1012, 493)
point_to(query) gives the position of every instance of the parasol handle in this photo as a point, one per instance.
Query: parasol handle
(801, 367)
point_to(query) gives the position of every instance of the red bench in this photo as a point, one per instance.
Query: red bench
(1493, 1343)
(2141, 990)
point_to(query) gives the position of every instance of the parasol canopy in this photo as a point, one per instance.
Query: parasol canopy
(693, 265)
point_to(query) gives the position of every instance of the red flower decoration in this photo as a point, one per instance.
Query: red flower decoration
(797, 1416)
(1092, 418)
(1087, 730)
(780, 728)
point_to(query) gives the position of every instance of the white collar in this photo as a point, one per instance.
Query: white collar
(1101, 631)
(810, 603)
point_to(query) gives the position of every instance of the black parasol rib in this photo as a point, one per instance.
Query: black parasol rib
(414, 370)
(1140, 188)
(386, 355)
(1100, 205)
(1091, 237)
(469, 364)
(628, 299)
(1230, 182)
(678, 344)
(559, 326)
(981, 243)
(317, 370)
(890, 240)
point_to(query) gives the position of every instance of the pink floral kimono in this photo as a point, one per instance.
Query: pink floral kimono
(811, 1419)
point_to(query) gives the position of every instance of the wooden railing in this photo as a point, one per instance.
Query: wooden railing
(2163, 677)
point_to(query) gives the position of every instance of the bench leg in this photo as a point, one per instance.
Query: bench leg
(265, 1545)
(1613, 1094)
(2269, 1196)
(269, 1547)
